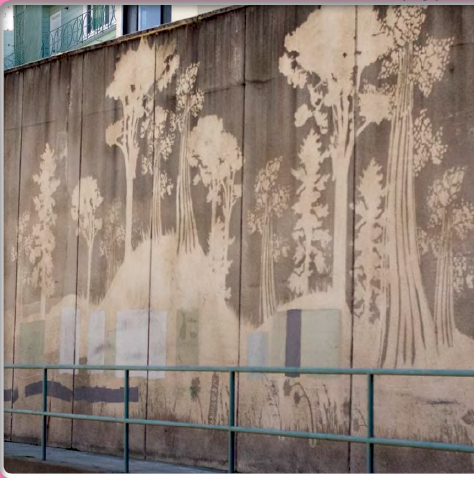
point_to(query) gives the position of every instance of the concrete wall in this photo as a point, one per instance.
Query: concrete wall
(271, 186)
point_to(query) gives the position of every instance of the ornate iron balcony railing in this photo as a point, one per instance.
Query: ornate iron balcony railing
(9, 61)
(97, 20)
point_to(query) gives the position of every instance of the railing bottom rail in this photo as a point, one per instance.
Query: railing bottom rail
(370, 440)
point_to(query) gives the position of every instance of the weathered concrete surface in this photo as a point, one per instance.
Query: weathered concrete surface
(190, 283)
(52, 117)
(21, 458)
(272, 186)
(12, 142)
(278, 289)
(94, 277)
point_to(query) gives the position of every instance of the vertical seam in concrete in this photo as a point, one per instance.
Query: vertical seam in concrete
(77, 250)
(237, 388)
(17, 234)
(354, 169)
(151, 255)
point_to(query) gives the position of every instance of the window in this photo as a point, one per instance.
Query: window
(55, 32)
(97, 19)
(142, 17)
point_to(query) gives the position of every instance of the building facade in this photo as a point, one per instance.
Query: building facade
(33, 32)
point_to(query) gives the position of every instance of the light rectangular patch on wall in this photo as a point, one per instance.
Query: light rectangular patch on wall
(96, 343)
(320, 337)
(131, 340)
(257, 351)
(32, 342)
(187, 337)
(70, 333)
(157, 352)
(278, 340)
(109, 353)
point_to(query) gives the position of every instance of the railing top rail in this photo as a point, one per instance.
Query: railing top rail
(90, 14)
(247, 369)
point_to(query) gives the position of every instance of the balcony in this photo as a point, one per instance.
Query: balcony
(96, 21)
(80, 31)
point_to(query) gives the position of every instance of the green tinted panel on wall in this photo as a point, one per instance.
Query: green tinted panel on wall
(32, 342)
(320, 337)
(187, 337)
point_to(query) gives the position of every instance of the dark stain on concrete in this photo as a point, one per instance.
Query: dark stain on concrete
(293, 341)
(87, 394)
(10, 395)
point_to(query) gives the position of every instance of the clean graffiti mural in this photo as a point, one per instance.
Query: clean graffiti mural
(207, 235)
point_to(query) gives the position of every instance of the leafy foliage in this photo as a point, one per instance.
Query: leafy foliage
(113, 237)
(218, 159)
(369, 248)
(86, 199)
(312, 238)
(271, 200)
(428, 146)
(43, 241)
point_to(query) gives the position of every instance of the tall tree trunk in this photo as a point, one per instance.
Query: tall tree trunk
(21, 278)
(340, 220)
(227, 201)
(43, 294)
(408, 332)
(227, 234)
(307, 259)
(156, 210)
(89, 267)
(128, 216)
(212, 238)
(185, 221)
(267, 285)
(443, 310)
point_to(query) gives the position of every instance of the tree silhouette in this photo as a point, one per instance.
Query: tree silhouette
(112, 238)
(134, 76)
(189, 104)
(158, 129)
(310, 235)
(408, 336)
(368, 267)
(219, 159)
(272, 200)
(160, 141)
(453, 219)
(43, 241)
(463, 270)
(86, 199)
(331, 82)
(20, 255)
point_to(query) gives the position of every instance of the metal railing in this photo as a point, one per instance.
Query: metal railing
(369, 440)
(9, 61)
(97, 20)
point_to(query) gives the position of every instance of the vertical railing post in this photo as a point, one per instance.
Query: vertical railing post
(231, 421)
(370, 423)
(125, 424)
(43, 417)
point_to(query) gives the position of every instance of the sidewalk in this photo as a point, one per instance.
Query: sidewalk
(70, 461)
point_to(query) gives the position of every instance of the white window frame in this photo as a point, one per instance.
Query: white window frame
(54, 19)
(92, 32)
